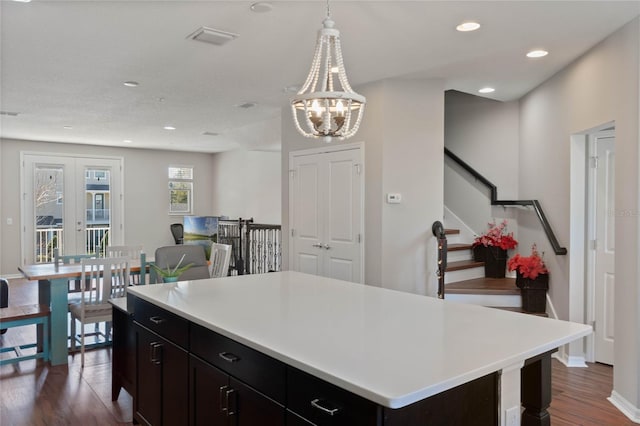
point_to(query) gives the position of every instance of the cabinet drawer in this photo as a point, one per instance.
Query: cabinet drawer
(322, 403)
(166, 324)
(258, 370)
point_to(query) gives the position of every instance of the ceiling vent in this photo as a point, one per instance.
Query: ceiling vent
(9, 113)
(210, 133)
(247, 105)
(209, 35)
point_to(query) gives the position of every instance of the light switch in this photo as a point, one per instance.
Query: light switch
(9, 221)
(394, 198)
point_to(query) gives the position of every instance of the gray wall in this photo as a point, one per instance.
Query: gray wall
(597, 88)
(247, 184)
(485, 134)
(146, 219)
(403, 134)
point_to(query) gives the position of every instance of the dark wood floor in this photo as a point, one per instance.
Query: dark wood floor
(32, 393)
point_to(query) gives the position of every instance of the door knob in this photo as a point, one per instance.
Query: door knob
(327, 246)
(317, 245)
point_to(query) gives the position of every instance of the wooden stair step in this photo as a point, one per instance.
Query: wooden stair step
(451, 231)
(462, 264)
(540, 314)
(502, 286)
(458, 247)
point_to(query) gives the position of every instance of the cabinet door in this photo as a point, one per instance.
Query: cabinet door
(161, 381)
(208, 394)
(147, 403)
(253, 408)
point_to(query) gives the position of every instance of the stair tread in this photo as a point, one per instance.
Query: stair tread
(484, 286)
(540, 314)
(463, 264)
(458, 247)
(451, 231)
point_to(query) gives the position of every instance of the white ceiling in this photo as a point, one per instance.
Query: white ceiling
(63, 63)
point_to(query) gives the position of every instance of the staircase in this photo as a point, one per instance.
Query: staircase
(465, 281)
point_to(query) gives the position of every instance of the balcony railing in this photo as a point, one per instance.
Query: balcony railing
(98, 214)
(48, 239)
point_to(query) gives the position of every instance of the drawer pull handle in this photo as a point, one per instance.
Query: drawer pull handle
(155, 355)
(224, 403)
(230, 395)
(316, 403)
(229, 357)
(157, 320)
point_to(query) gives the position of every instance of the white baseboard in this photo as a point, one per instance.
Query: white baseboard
(627, 408)
(569, 361)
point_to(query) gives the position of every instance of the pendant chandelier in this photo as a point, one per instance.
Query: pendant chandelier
(326, 106)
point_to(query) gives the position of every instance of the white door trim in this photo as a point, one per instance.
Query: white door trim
(118, 216)
(327, 149)
(579, 293)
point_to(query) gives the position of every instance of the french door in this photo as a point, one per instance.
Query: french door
(69, 203)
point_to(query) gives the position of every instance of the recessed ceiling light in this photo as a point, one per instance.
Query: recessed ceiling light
(131, 83)
(537, 53)
(67, 127)
(261, 7)
(487, 90)
(22, 1)
(169, 128)
(468, 26)
(127, 141)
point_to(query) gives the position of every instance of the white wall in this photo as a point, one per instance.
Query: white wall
(247, 184)
(146, 219)
(403, 134)
(597, 88)
(485, 134)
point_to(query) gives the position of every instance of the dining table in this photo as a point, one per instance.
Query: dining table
(53, 289)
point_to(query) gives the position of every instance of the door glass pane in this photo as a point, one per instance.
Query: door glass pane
(97, 209)
(48, 192)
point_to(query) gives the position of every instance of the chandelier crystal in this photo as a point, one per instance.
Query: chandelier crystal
(326, 106)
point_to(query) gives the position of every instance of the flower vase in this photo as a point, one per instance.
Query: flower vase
(534, 292)
(478, 253)
(495, 262)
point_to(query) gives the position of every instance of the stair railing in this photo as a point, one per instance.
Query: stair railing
(438, 231)
(535, 204)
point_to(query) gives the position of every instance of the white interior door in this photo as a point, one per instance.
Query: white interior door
(326, 213)
(73, 204)
(342, 211)
(604, 282)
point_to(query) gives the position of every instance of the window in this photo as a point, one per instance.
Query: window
(180, 190)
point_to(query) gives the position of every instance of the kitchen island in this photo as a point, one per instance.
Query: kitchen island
(302, 349)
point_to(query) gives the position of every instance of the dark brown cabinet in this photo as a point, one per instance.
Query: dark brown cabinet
(219, 399)
(162, 380)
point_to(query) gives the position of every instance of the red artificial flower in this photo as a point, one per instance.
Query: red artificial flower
(496, 236)
(528, 266)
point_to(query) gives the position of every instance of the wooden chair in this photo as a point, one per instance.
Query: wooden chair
(18, 316)
(220, 257)
(133, 253)
(74, 285)
(110, 277)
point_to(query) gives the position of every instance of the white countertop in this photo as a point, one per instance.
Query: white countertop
(390, 347)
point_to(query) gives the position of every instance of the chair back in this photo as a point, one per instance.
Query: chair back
(109, 277)
(130, 252)
(169, 257)
(220, 257)
(177, 230)
(73, 258)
